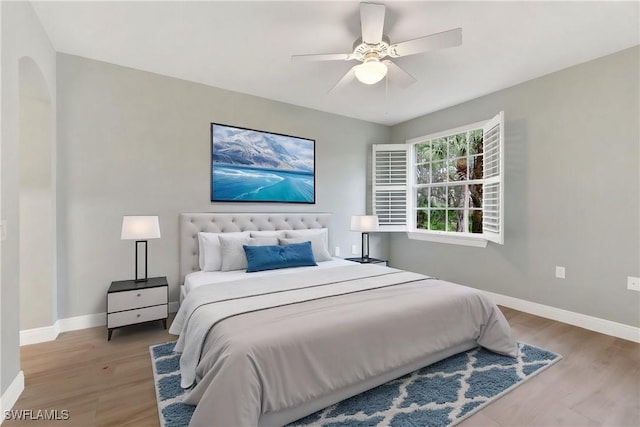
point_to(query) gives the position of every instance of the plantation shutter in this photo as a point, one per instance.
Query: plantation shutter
(390, 180)
(493, 186)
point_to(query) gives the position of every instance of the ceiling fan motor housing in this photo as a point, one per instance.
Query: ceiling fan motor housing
(363, 51)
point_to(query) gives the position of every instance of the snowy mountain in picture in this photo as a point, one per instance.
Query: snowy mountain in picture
(249, 165)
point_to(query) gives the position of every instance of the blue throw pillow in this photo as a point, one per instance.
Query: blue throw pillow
(260, 258)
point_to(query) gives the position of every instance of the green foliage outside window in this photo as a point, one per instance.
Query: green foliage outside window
(446, 197)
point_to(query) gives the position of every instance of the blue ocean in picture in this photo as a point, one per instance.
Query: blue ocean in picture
(241, 183)
(256, 166)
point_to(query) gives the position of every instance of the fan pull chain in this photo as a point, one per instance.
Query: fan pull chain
(386, 95)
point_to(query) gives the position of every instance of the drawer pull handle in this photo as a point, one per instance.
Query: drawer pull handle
(138, 315)
(138, 294)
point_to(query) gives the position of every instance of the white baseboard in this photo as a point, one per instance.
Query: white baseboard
(36, 335)
(82, 322)
(50, 333)
(11, 395)
(620, 330)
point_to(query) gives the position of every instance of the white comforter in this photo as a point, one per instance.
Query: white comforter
(256, 347)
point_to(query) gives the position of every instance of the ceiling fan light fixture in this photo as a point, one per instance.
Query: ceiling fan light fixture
(371, 71)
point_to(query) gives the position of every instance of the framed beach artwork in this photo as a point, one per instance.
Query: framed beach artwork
(249, 165)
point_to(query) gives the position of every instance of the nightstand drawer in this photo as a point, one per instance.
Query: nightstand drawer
(130, 317)
(127, 300)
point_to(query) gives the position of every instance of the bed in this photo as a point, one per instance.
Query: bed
(270, 348)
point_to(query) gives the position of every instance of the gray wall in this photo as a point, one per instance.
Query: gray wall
(37, 201)
(571, 192)
(133, 142)
(22, 38)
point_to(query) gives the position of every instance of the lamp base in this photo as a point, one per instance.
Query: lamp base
(141, 279)
(364, 250)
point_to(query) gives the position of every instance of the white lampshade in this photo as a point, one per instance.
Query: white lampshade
(364, 223)
(371, 71)
(140, 228)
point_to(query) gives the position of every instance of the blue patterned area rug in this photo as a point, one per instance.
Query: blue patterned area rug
(439, 395)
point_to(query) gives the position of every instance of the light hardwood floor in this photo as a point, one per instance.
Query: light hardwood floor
(111, 384)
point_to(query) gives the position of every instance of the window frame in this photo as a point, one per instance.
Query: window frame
(413, 186)
(494, 124)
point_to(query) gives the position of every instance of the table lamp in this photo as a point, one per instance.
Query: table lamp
(365, 224)
(140, 229)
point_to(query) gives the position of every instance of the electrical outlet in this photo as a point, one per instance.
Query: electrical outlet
(559, 272)
(3, 229)
(633, 283)
(336, 251)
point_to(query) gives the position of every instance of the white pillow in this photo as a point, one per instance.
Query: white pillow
(263, 241)
(320, 253)
(210, 257)
(324, 232)
(268, 233)
(233, 255)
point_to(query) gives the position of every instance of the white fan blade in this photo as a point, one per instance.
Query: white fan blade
(346, 79)
(322, 57)
(436, 41)
(372, 22)
(398, 75)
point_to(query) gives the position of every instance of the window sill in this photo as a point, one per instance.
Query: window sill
(463, 240)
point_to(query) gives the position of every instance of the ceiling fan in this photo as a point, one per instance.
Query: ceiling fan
(374, 46)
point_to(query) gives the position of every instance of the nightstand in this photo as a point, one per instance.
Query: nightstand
(130, 302)
(369, 261)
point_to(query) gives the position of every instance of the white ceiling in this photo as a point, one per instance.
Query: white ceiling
(246, 46)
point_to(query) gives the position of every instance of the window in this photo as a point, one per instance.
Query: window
(444, 187)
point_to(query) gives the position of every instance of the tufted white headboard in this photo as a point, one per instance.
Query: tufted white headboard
(193, 223)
